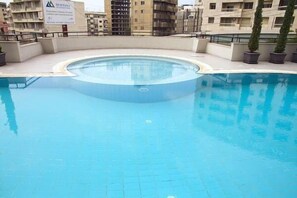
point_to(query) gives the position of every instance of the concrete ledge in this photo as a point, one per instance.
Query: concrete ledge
(16, 53)
(30, 50)
(220, 50)
(236, 50)
(62, 66)
(264, 49)
(19, 53)
(123, 42)
(49, 45)
(54, 64)
(12, 50)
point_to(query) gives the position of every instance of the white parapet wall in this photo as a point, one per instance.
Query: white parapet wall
(199, 45)
(49, 45)
(16, 53)
(264, 49)
(120, 42)
(12, 50)
(223, 51)
(235, 51)
(30, 50)
(19, 53)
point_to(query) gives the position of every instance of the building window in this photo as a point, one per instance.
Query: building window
(142, 11)
(142, 27)
(225, 21)
(267, 4)
(135, 20)
(280, 20)
(248, 5)
(210, 19)
(142, 2)
(135, 3)
(135, 11)
(212, 6)
(135, 27)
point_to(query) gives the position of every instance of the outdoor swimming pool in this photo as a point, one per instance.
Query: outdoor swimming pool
(216, 136)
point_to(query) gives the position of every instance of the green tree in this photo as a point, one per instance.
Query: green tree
(254, 39)
(284, 31)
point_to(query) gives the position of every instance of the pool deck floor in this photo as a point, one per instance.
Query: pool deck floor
(47, 64)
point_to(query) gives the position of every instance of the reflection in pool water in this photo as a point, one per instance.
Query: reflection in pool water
(232, 136)
(8, 105)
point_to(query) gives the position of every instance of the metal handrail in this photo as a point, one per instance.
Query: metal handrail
(243, 38)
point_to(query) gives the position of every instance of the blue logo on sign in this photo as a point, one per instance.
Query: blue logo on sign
(50, 4)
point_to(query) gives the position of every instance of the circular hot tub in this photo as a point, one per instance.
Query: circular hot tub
(135, 78)
(133, 70)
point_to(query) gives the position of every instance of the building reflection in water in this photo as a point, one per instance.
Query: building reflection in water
(143, 71)
(7, 101)
(6, 85)
(138, 71)
(255, 112)
(150, 71)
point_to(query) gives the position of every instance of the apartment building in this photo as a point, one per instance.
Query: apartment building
(153, 17)
(188, 19)
(118, 16)
(28, 16)
(97, 23)
(237, 16)
(3, 16)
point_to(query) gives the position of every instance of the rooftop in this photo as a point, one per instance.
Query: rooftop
(53, 64)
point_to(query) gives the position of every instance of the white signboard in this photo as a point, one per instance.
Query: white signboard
(58, 12)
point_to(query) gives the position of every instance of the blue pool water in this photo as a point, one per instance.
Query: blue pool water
(215, 136)
(133, 70)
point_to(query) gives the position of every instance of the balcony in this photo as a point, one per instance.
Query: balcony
(174, 2)
(232, 12)
(20, 29)
(28, 9)
(27, 20)
(163, 8)
(164, 16)
(228, 24)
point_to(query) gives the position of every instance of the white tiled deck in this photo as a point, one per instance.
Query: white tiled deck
(46, 65)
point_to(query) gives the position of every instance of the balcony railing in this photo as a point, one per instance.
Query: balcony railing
(227, 39)
(228, 24)
(230, 9)
(278, 25)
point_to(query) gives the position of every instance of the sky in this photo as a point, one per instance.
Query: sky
(98, 5)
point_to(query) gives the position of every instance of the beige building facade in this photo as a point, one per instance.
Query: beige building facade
(153, 17)
(97, 23)
(237, 16)
(188, 19)
(3, 18)
(27, 16)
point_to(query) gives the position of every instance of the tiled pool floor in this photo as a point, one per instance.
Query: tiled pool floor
(234, 137)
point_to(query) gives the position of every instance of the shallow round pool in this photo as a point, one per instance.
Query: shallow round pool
(133, 70)
(134, 78)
